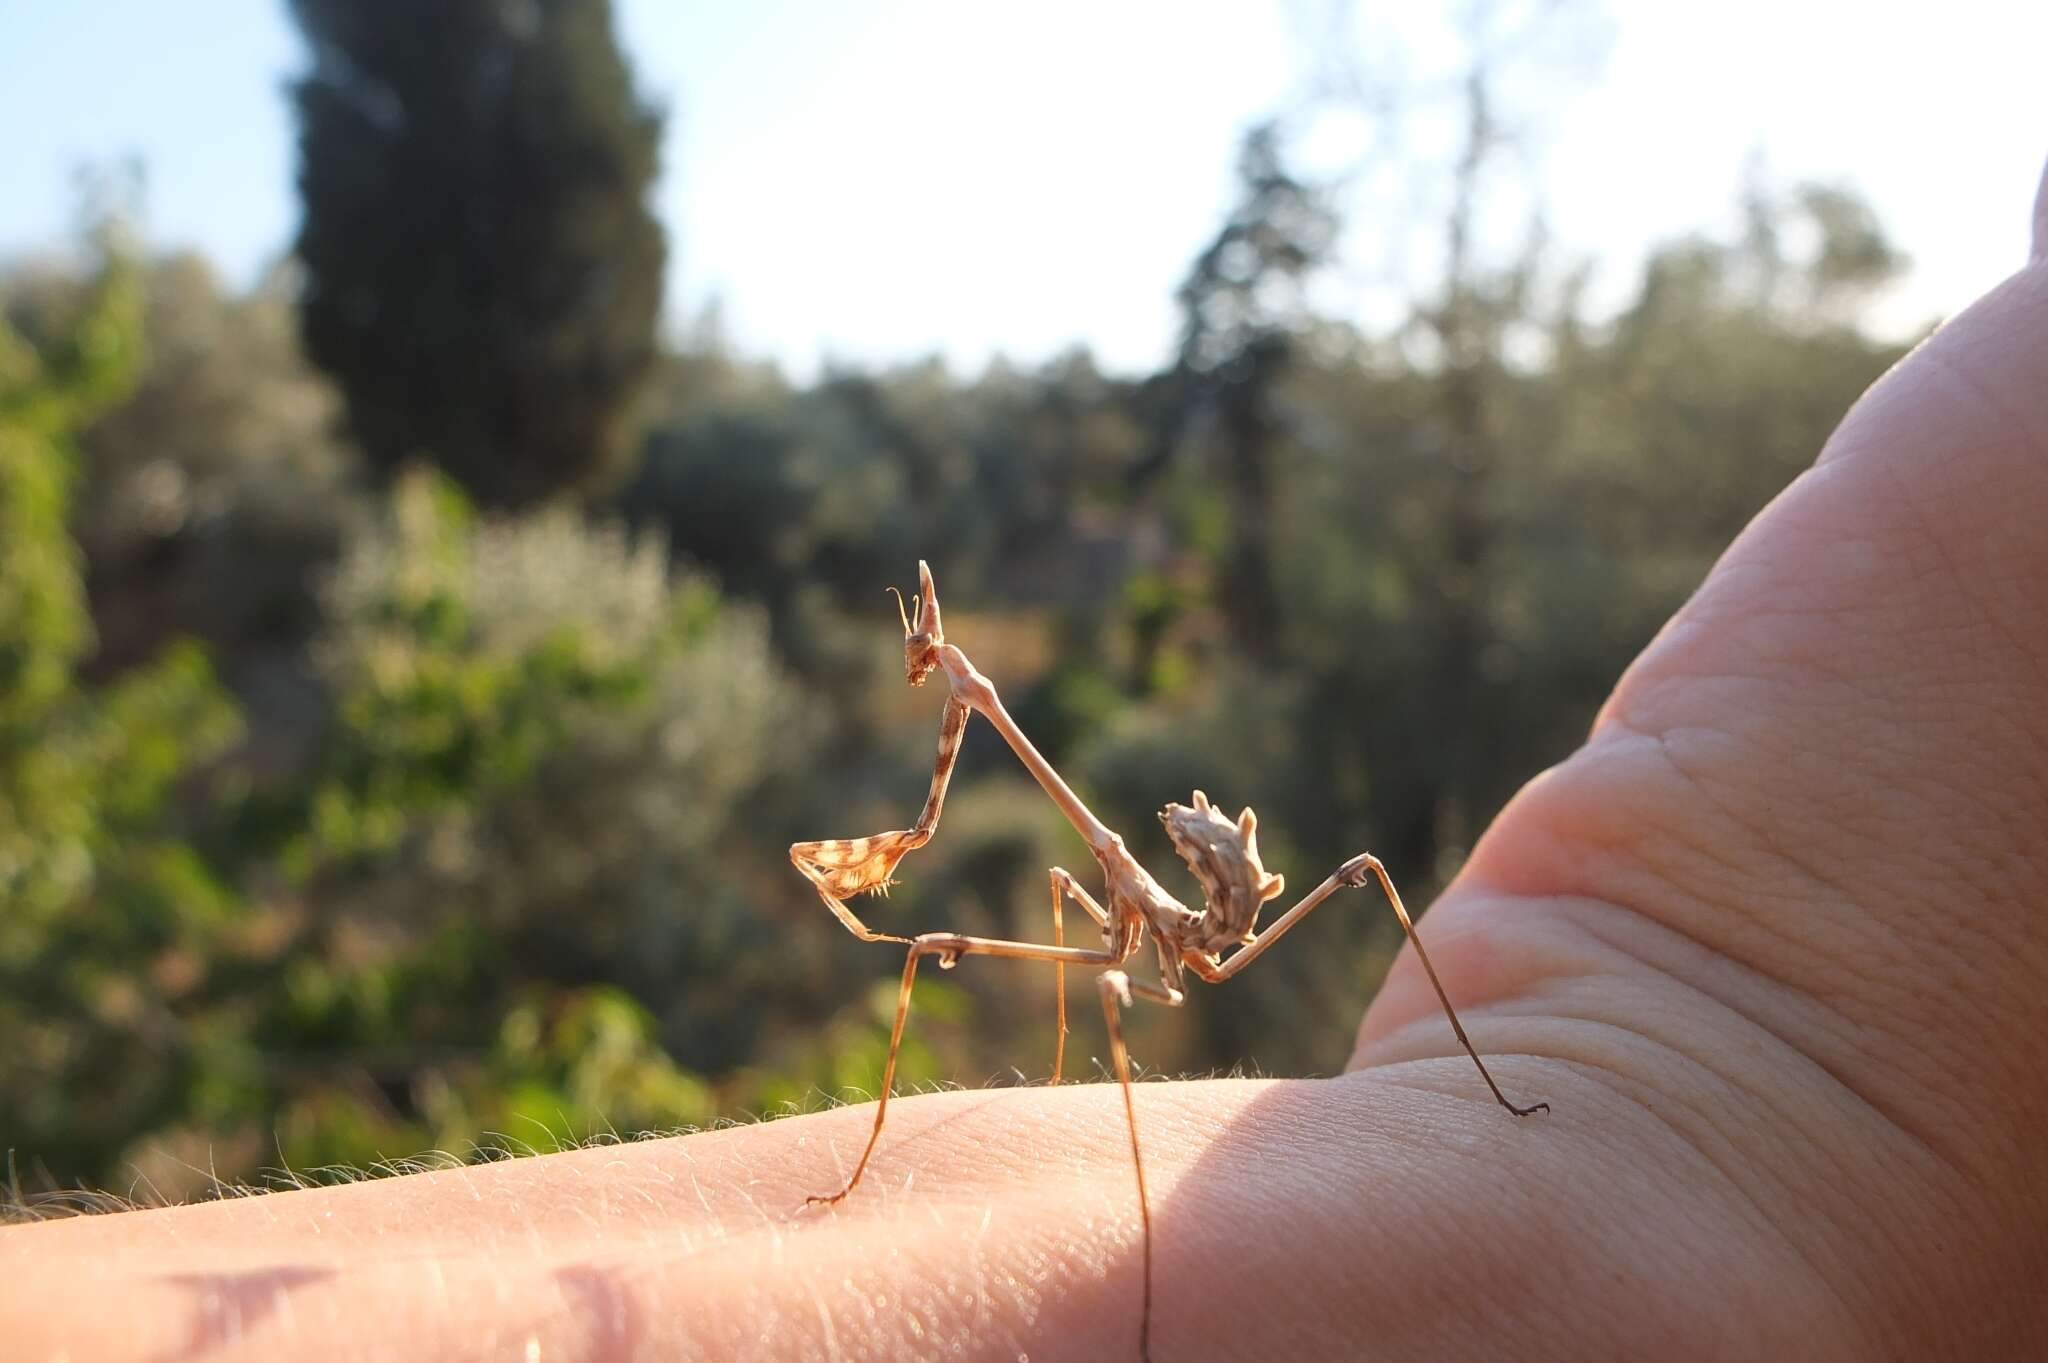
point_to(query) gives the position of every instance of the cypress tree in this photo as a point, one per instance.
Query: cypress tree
(482, 273)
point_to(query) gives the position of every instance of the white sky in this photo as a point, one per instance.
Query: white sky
(906, 177)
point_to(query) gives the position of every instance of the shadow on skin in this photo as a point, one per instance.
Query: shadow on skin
(227, 1306)
(609, 1309)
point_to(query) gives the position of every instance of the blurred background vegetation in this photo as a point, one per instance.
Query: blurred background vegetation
(413, 669)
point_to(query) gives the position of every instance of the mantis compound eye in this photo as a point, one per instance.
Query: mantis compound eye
(920, 658)
(922, 635)
(920, 645)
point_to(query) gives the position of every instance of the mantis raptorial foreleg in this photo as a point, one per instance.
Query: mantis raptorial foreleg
(841, 868)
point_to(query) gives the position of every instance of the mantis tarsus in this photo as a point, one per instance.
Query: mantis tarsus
(1222, 854)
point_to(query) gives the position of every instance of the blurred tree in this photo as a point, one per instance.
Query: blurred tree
(1455, 374)
(1242, 308)
(1466, 326)
(537, 806)
(526, 872)
(218, 489)
(96, 886)
(483, 274)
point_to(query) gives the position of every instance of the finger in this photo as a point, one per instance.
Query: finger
(1851, 717)
(1832, 753)
(1816, 802)
(2041, 218)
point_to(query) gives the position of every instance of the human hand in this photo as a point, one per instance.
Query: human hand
(1772, 945)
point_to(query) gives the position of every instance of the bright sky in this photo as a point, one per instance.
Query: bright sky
(881, 182)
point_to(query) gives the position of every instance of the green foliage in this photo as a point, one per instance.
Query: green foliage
(461, 654)
(216, 491)
(94, 885)
(842, 1060)
(539, 733)
(382, 951)
(483, 274)
(47, 393)
(498, 857)
(539, 739)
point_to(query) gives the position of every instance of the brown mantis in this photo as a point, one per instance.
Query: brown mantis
(1222, 854)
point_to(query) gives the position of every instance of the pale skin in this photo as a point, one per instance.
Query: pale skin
(1772, 945)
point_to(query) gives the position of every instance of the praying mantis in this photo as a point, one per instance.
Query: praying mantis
(1222, 854)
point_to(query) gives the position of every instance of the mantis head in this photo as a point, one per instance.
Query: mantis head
(922, 634)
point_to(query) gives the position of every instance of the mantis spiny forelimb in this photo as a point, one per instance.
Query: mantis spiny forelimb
(1222, 853)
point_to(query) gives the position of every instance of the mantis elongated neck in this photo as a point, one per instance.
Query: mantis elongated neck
(978, 693)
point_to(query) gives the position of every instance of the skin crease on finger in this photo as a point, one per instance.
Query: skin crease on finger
(1771, 945)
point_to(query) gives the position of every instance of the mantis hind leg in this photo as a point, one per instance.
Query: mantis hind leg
(1118, 989)
(1357, 873)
